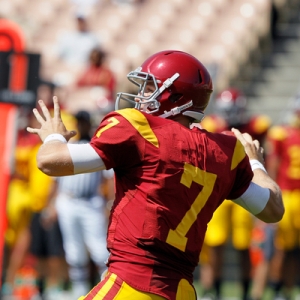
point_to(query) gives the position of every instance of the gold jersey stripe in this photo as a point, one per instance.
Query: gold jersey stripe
(108, 285)
(140, 123)
(238, 154)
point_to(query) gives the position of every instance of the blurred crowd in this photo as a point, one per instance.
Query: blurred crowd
(49, 247)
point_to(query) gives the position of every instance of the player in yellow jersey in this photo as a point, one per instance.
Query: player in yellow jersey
(27, 198)
(19, 209)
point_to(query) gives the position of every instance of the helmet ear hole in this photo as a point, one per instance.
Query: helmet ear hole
(175, 97)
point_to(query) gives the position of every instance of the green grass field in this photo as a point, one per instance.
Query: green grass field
(231, 290)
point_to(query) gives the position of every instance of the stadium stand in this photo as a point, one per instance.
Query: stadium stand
(172, 21)
(222, 33)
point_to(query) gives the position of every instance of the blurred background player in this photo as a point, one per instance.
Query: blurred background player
(19, 206)
(262, 250)
(73, 47)
(94, 87)
(283, 163)
(81, 209)
(46, 240)
(97, 74)
(229, 219)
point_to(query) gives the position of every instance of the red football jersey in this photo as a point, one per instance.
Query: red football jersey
(169, 181)
(284, 143)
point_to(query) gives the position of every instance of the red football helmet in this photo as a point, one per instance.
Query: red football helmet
(231, 105)
(180, 84)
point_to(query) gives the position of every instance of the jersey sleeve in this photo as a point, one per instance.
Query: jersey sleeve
(242, 169)
(117, 142)
(244, 175)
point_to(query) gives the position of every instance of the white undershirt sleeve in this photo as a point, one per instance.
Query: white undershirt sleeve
(85, 158)
(254, 199)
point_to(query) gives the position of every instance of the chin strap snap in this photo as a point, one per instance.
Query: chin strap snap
(168, 82)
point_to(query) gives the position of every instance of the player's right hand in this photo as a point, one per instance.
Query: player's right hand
(50, 125)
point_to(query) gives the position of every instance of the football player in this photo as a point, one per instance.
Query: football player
(19, 205)
(169, 178)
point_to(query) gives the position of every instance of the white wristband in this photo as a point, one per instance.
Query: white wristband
(55, 137)
(255, 164)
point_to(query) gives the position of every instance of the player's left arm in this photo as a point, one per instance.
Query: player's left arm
(263, 198)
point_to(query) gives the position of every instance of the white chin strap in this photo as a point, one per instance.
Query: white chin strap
(176, 110)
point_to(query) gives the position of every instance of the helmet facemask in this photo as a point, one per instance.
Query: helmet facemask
(149, 104)
(148, 91)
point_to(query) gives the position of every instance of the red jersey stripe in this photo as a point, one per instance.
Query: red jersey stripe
(115, 288)
(106, 289)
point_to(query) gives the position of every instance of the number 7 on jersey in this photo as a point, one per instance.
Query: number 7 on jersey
(177, 237)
